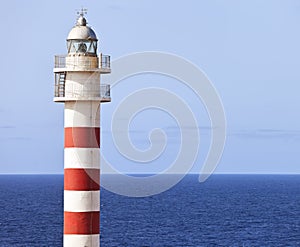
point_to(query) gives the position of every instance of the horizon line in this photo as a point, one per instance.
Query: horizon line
(192, 173)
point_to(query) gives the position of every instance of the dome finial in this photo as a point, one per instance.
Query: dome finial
(81, 21)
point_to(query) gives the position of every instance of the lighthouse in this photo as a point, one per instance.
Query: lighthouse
(77, 85)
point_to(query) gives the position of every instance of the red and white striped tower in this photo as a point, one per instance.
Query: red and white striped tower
(77, 85)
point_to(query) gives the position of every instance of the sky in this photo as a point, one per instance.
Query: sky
(248, 49)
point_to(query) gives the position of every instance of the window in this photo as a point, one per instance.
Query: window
(82, 46)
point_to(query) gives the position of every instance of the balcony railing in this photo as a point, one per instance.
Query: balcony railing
(103, 94)
(105, 91)
(104, 61)
(60, 62)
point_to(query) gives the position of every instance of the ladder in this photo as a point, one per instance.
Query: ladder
(60, 80)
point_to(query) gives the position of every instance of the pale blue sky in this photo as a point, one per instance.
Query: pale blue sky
(249, 50)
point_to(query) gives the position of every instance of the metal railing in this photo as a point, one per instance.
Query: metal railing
(103, 94)
(105, 91)
(60, 62)
(104, 62)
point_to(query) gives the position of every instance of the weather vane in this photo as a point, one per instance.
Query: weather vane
(82, 12)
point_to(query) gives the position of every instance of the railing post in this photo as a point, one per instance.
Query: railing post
(100, 62)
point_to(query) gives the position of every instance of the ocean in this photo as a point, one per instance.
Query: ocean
(226, 210)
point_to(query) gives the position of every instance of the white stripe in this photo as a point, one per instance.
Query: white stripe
(82, 158)
(77, 240)
(81, 201)
(82, 114)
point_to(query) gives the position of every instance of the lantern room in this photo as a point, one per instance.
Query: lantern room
(82, 39)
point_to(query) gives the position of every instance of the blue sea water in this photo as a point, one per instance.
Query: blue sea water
(226, 210)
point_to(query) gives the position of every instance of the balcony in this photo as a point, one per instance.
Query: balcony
(73, 94)
(65, 63)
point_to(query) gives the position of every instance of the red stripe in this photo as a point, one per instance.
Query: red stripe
(82, 179)
(81, 222)
(82, 137)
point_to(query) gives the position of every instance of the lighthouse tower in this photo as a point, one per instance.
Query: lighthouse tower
(77, 85)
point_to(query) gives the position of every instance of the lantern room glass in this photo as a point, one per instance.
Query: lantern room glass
(82, 46)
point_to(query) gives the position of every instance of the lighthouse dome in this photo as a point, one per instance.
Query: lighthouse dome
(82, 31)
